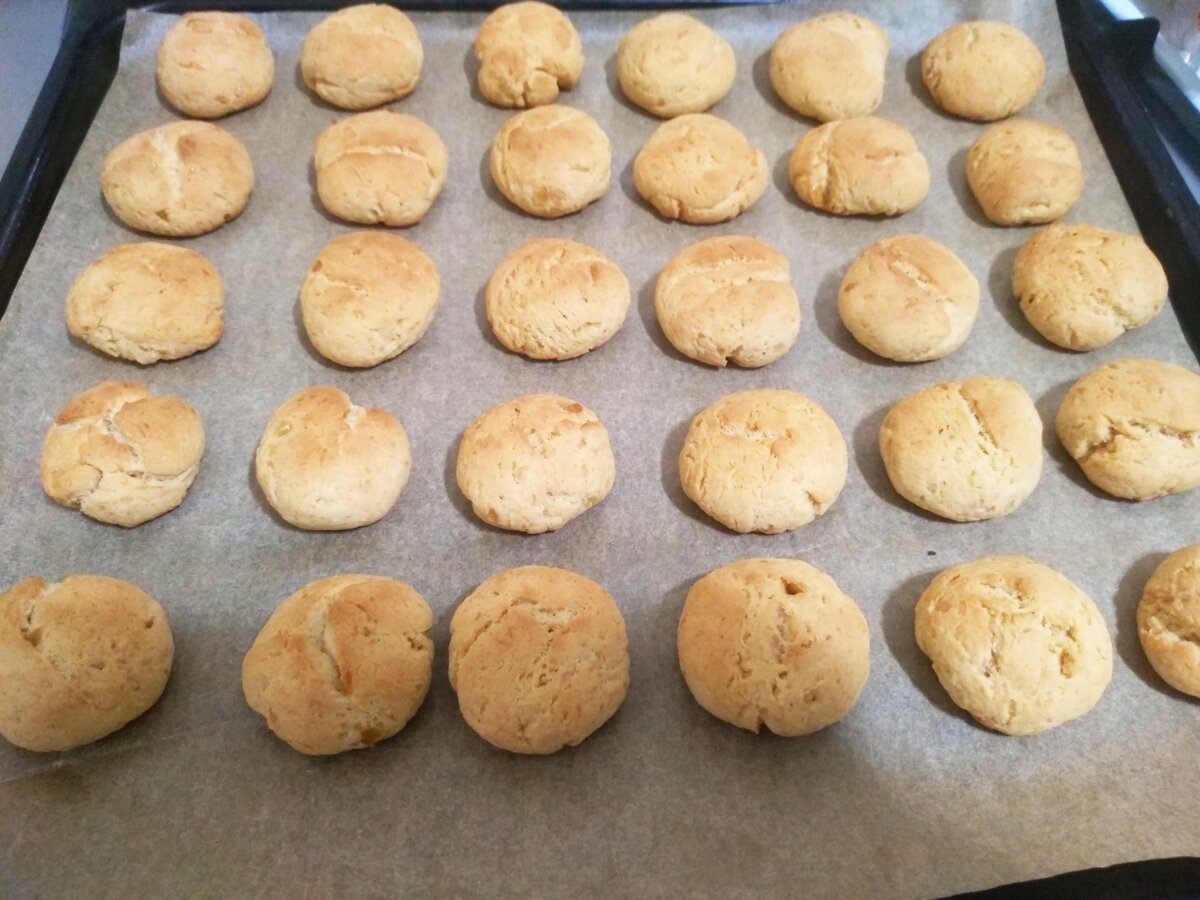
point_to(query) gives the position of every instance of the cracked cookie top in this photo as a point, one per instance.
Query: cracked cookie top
(1134, 428)
(539, 659)
(120, 455)
(527, 53)
(1168, 618)
(773, 642)
(965, 450)
(341, 664)
(362, 56)
(1024, 172)
(1014, 643)
(368, 297)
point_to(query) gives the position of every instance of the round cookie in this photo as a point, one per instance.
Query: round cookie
(1082, 287)
(325, 464)
(551, 161)
(147, 302)
(1168, 618)
(700, 169)
(862, 166)
(527, 53)
(728, 299)
(535, 463)
(908, 299)
(556, 299)
(539, 659)
(178, 180)
(368, 297)
(1024, 172)
(341, 664)
(982, 70)
(964, 450)
(831, 67)
(1134, 428)
(672, 64)
(766, 461)
(773, 642)
(120, 455)
(362, 56)
(211, 64)
(79, 659)
(379, 168)
(1014, 643)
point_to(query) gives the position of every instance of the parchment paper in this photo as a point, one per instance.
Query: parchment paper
(905, 797)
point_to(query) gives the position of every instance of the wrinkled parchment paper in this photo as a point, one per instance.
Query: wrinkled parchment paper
(905, 797)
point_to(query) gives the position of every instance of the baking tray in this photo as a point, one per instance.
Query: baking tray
(92, 821)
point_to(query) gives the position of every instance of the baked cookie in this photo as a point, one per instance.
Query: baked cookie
(862, 166)
(527, 53)
(325, 464)
(341, 664)
(380, 168)
(551, 161)
(773, 642)
(1082, 287)
(79, 659)
(766, 461)
(535, 463)
(539, 659)
(178, 180)
(211, 64)
(728, 299)
(1024, 172)
(120, 455)
(147, 302)
(982, 70)
(908, 299)
(362, 56)
(1134, 428)
(964, 450)
(1168, 618)
(672, 64)
(556, 299)
(1014, 643)
(700, 169)
(831, 67)
(368, 297)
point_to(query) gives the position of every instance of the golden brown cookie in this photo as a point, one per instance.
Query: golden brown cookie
(120, 455)
(539, 659)
(728, 300)
(672, 64)
(700, 169)
(527, 53)
(211, 64)
(766, 461)
(1168, 619)
(982, 70)
(773, 642)
(1024, 172)
(1134, 428)
(341, 664)
(362, 56)
(1082, 287)
(147, 302)
(831, 67)
(551, 161)
(380, 168)
(178, 180)
(1014, 643)
(79, 659)
(863, 166)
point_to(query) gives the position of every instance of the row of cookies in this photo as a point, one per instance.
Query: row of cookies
(832, 66)
(369, 296)
(764, 461)
(539, 657)
(387, 168)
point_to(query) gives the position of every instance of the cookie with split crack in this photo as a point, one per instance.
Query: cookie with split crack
(539, 659)
(342, 664)
(527, 53)
(1168, 618)
(121, 455)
